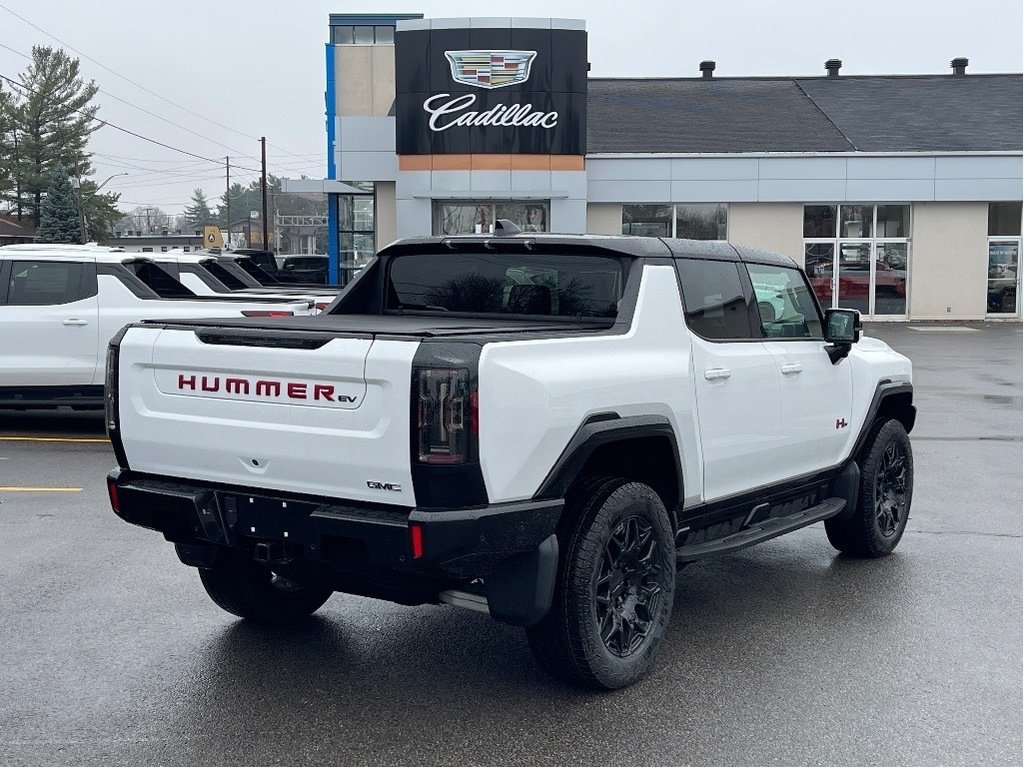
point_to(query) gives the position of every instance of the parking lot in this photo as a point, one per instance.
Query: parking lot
(785, 653)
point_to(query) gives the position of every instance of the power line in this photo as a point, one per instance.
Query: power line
(137, 85)
(24, 87)
(151, 114)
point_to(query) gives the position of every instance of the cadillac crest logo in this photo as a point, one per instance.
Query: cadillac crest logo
(490, 69)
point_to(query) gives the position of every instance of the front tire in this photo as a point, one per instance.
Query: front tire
(252, 591)
(613, 595)
(876, 525)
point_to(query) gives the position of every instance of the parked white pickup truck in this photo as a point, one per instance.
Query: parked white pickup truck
(536, 426)
(61, 304)
(207, 274)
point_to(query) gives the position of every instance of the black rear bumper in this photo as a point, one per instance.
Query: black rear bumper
(357, 547)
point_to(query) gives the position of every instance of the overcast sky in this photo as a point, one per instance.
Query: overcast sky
(257, 67)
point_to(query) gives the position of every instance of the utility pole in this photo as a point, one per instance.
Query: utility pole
(263, 184)
(227, 196)
(76, 182)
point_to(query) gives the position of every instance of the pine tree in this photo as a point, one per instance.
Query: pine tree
(6, 145)
(58, 219)
(53, 122)
(198, 213)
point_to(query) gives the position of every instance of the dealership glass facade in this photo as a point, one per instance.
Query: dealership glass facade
(477, 217)
(857, 256)
(694, 221)
(1004, 241)
(356, 240)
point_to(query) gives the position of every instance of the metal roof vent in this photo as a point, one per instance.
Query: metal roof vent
(832, 67)
(707, 68)
(959, 66)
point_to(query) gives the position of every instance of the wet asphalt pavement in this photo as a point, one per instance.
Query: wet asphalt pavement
(111, 653)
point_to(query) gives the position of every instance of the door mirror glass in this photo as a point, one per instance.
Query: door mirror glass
(842, 326)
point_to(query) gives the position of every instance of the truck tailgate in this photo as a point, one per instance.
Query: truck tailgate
(312, 414)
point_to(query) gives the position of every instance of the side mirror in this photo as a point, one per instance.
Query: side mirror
(842, 331)
(842, 326)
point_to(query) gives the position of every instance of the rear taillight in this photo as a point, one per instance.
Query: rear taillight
(115, 502)
(266, 313)
(416, 540)
(322, 305)
(445, 415)
(110, 389)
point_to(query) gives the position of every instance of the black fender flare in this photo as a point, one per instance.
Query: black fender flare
(884, 390)
(604, 429)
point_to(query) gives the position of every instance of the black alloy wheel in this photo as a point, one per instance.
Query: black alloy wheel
(891, 490)
(875, 524)
(614, 589)
(627, 592)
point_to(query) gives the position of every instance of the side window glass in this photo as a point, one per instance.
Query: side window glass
(716, 306)
(784, 303)
(41, 283)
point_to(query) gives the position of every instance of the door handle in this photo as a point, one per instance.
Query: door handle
(790, 368)
(712, 374)
(75, 321)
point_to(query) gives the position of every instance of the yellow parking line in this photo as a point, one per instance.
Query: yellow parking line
(36, 489)
(19, 439)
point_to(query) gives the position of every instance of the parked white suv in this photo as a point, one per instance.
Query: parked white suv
(61, 304)
(536, 426)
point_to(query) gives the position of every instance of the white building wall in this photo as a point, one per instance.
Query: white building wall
(773, 226)
(604, 219)
(949, 261)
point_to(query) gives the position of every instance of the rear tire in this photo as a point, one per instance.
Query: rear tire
(252, 591)
(876, 525)
(613, 595)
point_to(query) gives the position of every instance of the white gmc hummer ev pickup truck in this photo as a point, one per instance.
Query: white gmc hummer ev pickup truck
(542, 427)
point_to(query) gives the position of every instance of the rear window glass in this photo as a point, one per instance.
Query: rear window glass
(507, 284)
(255, 271)
(157, 279)
(223, 274)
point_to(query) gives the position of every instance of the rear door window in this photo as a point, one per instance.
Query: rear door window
(41, 283)
(718, 307)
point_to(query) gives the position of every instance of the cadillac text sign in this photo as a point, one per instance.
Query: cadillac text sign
(491, 91)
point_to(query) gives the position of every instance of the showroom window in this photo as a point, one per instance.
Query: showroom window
(856, 256)
(356, 241)
(477, 217)
(1004, 241)
(695, 221)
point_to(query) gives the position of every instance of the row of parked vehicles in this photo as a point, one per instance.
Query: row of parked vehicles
(61, 304)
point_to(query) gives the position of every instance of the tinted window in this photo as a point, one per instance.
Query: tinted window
(1004, 219)
(716, 305)
(255, 271)
(157, 280)
(37, 283)
(512, 283)
(784, 303)
(219, 271)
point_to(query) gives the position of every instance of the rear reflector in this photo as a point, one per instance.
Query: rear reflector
(115, 503)
(416, 540)
(266, 313)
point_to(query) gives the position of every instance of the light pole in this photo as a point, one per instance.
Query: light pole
(77, 184)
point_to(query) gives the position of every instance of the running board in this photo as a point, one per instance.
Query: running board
(766, 529)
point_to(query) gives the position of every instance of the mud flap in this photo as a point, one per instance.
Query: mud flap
(520, 590)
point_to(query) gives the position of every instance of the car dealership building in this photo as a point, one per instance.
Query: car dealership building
(901, 195)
